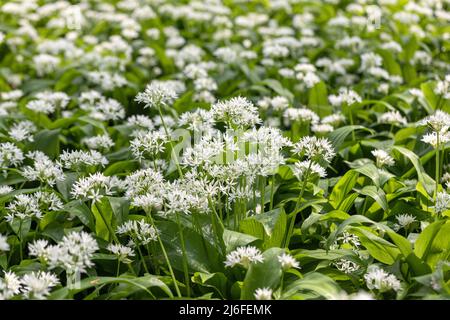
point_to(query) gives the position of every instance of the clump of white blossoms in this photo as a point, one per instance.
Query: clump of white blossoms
(263, 294)
(140, 232)
(383, 158)
(346, 266)
(37, 285)
(315, 149)
(158, 93)
(436, 139)
(78, 159)
(308, 168)
(23, 206)
(122, 252)
(73, 253)
(101, 142)
(442, 202)
(302, 115)
(393, 117)
(43, 169)
(147, 145)
(287, 261)
(377, 278)
(345, 96)
(404, 221)
(237, 112)
(10, 155)
(443, 87)
(93, 187)
(10, 285)
(318, 152)
(438, 122)
(22, 131)
(244, 256)
(4, 245)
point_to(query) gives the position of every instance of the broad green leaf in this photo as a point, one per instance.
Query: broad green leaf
(258, 276)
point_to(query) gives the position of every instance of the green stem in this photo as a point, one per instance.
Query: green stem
(437, 165)
(180, 173)
(118, 268)
(143, 259)
(185, 264)
(351, 123)
(262, 185)
(272, 192)
(163, 249)
(297, 206)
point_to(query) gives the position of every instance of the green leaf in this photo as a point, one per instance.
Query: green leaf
(233, 239)
(47, 141)
(318, 284)
(433, 244)
(80, 210)
(380, 249)
(339, 135)
(343, 187)
(318, 99)
(376, 194)
(258, 276)
(423, 177)
(104, 219)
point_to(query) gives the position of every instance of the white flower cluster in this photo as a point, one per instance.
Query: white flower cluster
(33, 285)
(73, 253)
(244, 256)
(377, 278)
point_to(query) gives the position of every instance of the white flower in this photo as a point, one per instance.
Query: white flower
(432, 138)
(244, 256)
(377, 278)
(73, 253)
(439, 121)
(237, 111)
(158, 93)
(22, 130)
(76, 159)
(263, 294)
(139, 231)
(122, 252)
(287, 261)
(4, 245)
(301, 115)
(9, 286)
(43, 169)
(10, 155)
(99, 142)
(345, 96)
(147, 145)
(308, 168)
(322, 129)
(392, 117)
(23, 206)
(346, 266)
(316, 149)
(37, 285)
(93, 187)
(5, 190)
(442, 202)
(42, 106)
(383, 158)
(38, 248)
(404, 220)
(442, 87)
